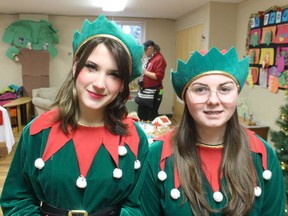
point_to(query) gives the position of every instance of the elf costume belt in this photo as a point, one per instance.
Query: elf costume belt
(47, 210)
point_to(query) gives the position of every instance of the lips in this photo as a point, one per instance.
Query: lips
(95, 95)
(212, 112)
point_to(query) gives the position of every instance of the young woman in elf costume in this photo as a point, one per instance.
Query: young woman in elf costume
(84, 156)
(210, 164)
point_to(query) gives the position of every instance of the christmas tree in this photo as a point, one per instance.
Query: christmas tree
(280, 139)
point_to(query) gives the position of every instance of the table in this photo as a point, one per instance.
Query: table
(17, 103)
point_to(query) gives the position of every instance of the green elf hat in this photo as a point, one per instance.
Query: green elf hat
(101, 27)
(203, 63)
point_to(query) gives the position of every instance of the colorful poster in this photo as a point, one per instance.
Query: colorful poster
(267, 46)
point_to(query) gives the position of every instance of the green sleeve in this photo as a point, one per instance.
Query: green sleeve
(274, 191)
(18, 197)
(151, 194)
(131, 207)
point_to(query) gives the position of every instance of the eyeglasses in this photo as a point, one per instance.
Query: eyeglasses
(201, 93)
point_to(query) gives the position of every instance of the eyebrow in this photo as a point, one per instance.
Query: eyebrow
(221, 84)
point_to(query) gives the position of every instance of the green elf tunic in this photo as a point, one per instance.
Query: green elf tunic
(88, 169)
(162, 195)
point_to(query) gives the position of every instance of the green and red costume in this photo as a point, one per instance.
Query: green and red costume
(88, 154)
(162, 194)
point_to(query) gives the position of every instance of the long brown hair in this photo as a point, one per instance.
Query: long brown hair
(67, 98)
(236, 167)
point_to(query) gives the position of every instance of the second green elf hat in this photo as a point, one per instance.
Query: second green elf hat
(211, 62)
(101, 27)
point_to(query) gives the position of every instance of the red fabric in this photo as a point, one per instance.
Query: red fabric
(211, 159)
(1, 117)
(257, 146)
(157, 65)
(93, 137)
(167, 151)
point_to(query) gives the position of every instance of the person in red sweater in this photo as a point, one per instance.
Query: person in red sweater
(154, 66)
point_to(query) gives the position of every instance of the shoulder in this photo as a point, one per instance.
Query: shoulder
(257, 144)
(262, 148)
(44, 121)
(162, 148)
(160, 56)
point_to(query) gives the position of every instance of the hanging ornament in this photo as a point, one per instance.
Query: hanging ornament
(283, 116)
(283, 165)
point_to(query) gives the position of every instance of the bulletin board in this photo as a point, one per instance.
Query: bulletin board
(267, 46)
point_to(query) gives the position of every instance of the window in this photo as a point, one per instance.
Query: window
(136, 29)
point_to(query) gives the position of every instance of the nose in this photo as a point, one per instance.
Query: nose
(99, 80)
(213, 97)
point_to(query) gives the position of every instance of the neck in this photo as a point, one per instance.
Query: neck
(211, 136)
(210, 144)
(218, 145)
(94, 124)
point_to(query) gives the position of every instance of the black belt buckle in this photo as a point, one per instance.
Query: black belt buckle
(77, 212)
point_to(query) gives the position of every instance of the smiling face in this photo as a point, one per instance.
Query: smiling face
(98, 83)
(211, 101)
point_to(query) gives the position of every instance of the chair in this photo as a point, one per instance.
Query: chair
(43, 98)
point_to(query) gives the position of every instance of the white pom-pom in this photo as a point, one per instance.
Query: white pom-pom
(81, 182)
(162, 175)
(39, 163)
(117, 173)
(218, 196)
(267, 174)
(122, 150)
(175, 193)
(257, 191)
(137, 164)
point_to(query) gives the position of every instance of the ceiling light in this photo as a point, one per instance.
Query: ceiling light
(112, 5)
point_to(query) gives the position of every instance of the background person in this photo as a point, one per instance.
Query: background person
(154, 66)
(86, 155)
(209, 164)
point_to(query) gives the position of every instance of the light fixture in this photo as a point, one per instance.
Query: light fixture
(112, 5)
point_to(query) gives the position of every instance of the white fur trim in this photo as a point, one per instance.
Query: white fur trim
(218, 196)
(257, 191)
(175, 193)
(267, 174)
(137, 164)
(117, 173)
(81, 182)
(122, 150)
(39, 163)
(162, 175)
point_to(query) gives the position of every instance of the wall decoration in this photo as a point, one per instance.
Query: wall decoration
(30, 35)
(267, 46)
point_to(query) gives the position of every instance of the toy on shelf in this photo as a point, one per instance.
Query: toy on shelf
(244, 114)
